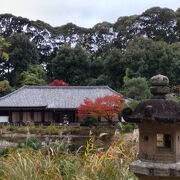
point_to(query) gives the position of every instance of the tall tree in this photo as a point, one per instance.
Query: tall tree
(3, 49)
(114, 67)
(71, 65)
(4, 56)
(23, 53)
(35, 75)
(146, 58)
(158, 24)
(178, 22)
(96, 66)
(5, 88)
(101, 80)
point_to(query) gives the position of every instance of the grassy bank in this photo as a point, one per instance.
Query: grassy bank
(54, 130)
(57, 162)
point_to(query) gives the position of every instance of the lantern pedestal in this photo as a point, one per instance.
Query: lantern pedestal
(155, 171)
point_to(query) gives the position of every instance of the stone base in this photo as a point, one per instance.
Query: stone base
(155, 171)
(144, 177)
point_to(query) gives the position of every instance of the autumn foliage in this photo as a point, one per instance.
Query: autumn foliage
(107, 107)
(57, 82)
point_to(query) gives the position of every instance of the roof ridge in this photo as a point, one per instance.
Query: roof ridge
(14, 92)
(68, 87)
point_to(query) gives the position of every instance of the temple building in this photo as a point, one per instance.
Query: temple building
(48, 104)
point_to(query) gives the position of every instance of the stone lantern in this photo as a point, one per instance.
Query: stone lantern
(158, 121)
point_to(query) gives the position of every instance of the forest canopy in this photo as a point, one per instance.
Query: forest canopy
(33, 52)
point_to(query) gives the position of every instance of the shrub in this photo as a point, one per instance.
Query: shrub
(30, 143)
(4, 152)
(89, 121)
(133, 104)
(137, 88)
(128, 127)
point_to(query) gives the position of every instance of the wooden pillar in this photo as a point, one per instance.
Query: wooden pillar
(42, 117)
(10, 117)
(32, 115)
(76, 119)
(21, 117)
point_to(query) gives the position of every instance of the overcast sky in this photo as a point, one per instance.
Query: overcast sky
(84, 13)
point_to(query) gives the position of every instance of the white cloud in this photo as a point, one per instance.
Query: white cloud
(81, 12)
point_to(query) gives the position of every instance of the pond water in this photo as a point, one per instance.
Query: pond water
(72, 142)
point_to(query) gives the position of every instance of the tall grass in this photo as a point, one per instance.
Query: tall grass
(56, 163)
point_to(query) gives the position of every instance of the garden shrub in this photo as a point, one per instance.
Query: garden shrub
(30, 143)
(4, 152)
(126, 127)
(137, 88)
(89, 121)
(133, 104)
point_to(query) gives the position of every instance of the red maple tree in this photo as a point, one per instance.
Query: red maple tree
(107, 107)
(57, 82)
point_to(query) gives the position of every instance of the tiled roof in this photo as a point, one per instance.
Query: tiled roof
(54, 96)
(154, 110)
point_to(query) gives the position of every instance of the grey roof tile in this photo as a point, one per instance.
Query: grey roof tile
(68, 97)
